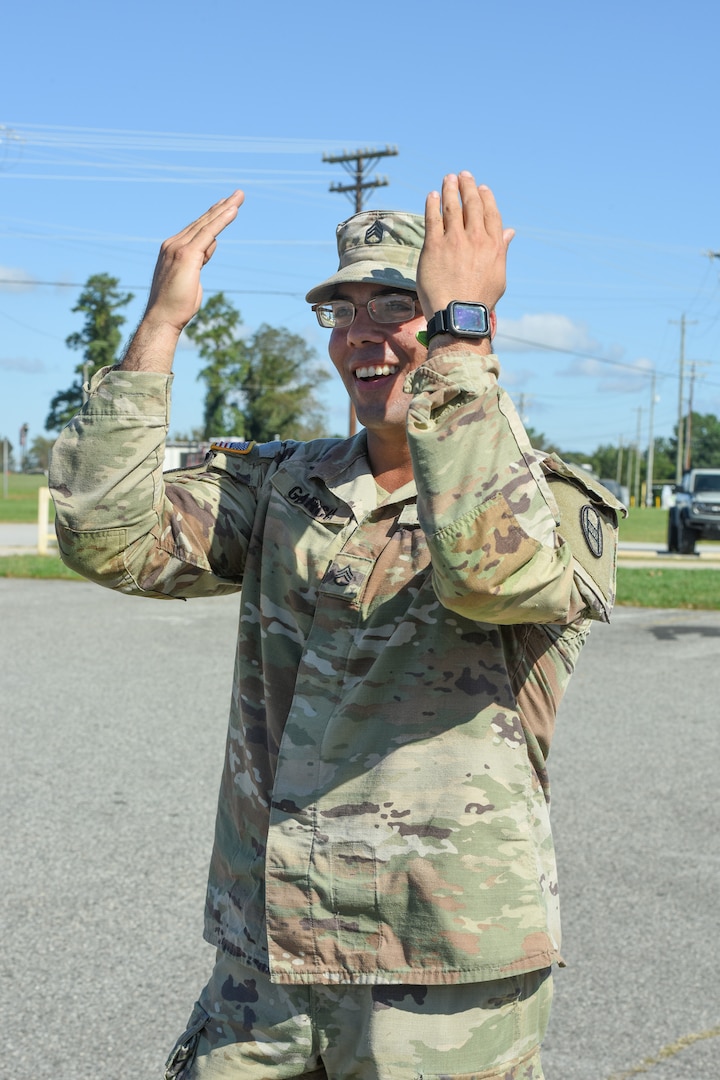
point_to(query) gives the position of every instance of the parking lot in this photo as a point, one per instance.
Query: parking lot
(113, 724)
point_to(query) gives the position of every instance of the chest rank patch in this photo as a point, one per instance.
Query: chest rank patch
(343, 576)
(591, 525)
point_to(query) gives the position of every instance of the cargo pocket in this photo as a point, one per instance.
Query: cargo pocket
(184, 1050)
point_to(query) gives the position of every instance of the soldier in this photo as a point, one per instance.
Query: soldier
(382, 890)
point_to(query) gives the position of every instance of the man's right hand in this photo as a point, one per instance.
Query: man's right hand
(176, 292)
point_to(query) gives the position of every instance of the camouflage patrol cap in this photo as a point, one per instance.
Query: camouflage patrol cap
(377, 246)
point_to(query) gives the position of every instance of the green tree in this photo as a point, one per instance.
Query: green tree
(99, 341)
(257, 387)
(6, 453)
(664, 460)
(281, 377)
(215, 332)
(540, 441)
(704, 446)
(704, 441)
(38, 456)
(604, 460)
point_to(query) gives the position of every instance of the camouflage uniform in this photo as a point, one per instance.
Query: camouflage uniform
(382, 889)
(383, 812)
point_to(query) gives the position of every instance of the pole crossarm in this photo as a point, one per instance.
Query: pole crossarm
(379, 181)
(359, 163)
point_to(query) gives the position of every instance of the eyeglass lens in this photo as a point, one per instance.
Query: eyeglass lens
(388, 308)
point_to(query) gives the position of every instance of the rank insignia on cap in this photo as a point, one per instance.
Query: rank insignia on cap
(591, 526)
(232, 446)
(374, 234)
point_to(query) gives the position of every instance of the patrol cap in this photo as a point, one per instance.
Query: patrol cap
(381, 247)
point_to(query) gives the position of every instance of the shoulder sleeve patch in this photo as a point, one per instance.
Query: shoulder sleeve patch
(588, 523)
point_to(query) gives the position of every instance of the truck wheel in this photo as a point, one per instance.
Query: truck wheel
(672, 541)
(685, 538)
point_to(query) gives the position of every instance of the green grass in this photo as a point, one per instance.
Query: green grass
(35, 566)
(21, 504)
(642, 587)
(648, 524)
(645, 523)
(659, 588)
(663, 588)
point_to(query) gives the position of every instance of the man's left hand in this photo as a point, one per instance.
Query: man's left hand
(465, 249)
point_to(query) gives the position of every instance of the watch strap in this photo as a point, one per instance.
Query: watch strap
(438, 324)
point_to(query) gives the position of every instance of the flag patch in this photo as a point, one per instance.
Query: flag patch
(232, 446)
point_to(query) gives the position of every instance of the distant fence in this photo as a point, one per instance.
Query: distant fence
(45, 533)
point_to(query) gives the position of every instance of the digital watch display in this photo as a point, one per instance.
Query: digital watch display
(463, 320)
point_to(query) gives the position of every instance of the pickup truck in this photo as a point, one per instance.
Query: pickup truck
(696, 513)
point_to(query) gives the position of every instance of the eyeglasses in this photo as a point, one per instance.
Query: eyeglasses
(387, 308)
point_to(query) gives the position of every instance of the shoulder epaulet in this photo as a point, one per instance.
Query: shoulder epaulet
(589, 516)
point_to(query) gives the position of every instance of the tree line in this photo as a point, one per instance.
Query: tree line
(263, 385)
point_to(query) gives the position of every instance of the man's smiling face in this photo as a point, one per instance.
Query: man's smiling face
(373, 359)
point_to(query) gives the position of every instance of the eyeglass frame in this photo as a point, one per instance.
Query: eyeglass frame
(411, 297)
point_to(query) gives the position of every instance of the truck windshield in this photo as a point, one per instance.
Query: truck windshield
(711, 482)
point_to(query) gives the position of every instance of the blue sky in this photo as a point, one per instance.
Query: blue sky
(595, 125)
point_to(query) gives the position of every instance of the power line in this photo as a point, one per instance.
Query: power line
(27, 284)
(82, 138)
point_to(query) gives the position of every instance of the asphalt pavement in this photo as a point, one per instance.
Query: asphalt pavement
(112, 726)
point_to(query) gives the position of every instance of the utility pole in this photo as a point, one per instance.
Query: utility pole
(629, 472)
(688, 428)
(679, 459)
(359, 165)
(637, 456)
(651, 446)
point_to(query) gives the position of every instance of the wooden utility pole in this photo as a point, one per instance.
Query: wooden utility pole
(358, 164)
(638, 457)
(649, 501)
(688, 426)
(681, 416)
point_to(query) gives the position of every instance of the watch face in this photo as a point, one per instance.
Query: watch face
(470, 318)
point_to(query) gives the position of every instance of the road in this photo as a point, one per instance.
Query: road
(113, 723)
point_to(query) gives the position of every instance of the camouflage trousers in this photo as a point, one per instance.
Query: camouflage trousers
(246, 1028)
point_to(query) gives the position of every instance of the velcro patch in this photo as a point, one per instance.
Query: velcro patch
(232, 446)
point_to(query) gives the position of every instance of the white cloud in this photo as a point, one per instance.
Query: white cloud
(28, 367)
(606, 365)
(548, 331)
(12, 279)
(630, 379)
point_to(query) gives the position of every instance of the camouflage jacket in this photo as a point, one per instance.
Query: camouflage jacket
(383, 813)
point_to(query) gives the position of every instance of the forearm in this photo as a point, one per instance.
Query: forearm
(118, 522)
(483, 500)
(152, 348)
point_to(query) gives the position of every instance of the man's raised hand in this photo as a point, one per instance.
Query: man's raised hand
(176, 292)
(465, 249)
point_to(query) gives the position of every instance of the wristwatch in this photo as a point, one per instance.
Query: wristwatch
(462, 320)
